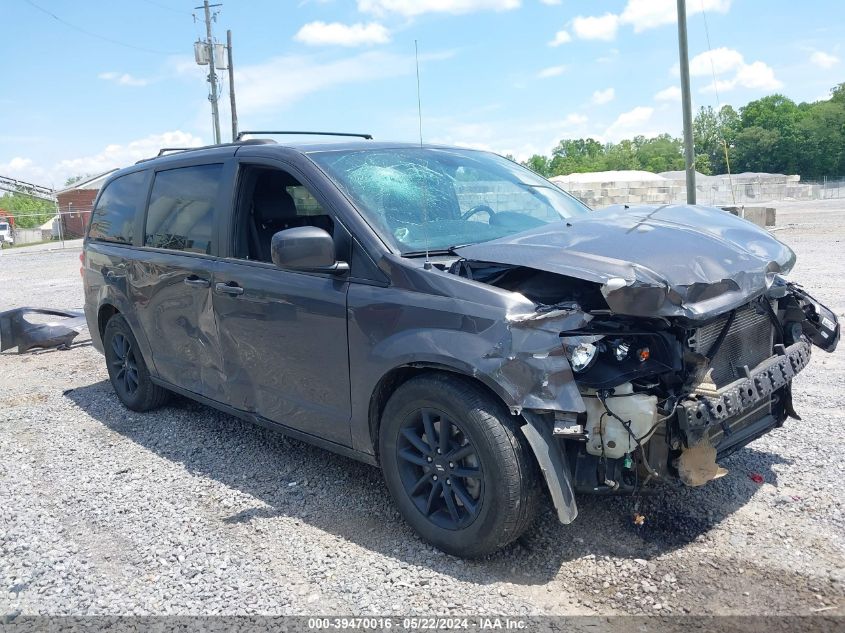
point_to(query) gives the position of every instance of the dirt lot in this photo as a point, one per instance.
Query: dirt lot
(190, 511)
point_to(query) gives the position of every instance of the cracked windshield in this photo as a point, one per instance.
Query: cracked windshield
(418, 198)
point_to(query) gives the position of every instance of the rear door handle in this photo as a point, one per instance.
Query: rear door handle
(196, 282)
(230, 288)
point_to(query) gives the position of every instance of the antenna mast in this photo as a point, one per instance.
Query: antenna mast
(427, 264)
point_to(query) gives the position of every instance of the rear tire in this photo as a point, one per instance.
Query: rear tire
(457, 465)
(127, 370)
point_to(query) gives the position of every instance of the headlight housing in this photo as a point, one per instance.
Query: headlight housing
(582, 352)
(609, 359)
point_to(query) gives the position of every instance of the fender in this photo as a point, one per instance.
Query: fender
(553, 463)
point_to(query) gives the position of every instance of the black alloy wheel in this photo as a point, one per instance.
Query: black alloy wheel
(127, 370)
(124, 365)
(440, 469)
(457, 464)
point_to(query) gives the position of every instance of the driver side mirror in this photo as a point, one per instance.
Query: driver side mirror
(306, 248)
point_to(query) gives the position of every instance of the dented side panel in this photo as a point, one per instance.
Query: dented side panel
(492, 335)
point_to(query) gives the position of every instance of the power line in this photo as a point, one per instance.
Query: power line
(97, 35)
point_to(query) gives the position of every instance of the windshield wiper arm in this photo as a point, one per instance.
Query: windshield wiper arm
(432, 251)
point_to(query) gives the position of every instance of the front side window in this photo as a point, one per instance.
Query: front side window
(418, 198)
(113, 219)
(272, 200)
(182, 212)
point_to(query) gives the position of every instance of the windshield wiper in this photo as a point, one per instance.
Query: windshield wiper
(450, 250)
(432, 251)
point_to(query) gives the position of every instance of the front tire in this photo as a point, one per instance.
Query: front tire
(128, 372)
(457, 465)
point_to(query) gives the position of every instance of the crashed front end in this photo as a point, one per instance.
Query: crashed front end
(673, 397)
(673, 370)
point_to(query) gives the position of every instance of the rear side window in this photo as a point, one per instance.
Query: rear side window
(113, 219)
(182, 211)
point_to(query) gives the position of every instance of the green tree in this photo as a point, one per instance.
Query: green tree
(707, 136)
(621, 155)
(756, 149)
(580, 155)
(28, 212)
(539, 165)
(661, 153)
(702, 164)
(837, 93)
(822, 133)
(778, 115)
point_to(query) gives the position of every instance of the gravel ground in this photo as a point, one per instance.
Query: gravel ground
(190, 511)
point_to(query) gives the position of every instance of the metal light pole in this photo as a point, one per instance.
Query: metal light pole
(686, 100)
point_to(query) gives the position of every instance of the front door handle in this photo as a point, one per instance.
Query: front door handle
(230, 288)
(196, 282)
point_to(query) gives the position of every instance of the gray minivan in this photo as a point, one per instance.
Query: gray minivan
(450, 316)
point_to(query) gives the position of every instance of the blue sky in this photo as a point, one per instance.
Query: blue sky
(513, 76)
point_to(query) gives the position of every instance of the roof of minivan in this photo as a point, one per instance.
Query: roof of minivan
(306, 147)
(359, 145)
(272, 148)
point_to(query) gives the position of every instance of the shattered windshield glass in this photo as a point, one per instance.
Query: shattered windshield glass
(418, 198)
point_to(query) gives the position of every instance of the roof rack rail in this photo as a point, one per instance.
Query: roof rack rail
(167, 150)
(251, 141)
(369, 137)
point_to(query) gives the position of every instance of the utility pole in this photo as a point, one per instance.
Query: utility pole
(212, 75)
(232, 86)
(686, 99)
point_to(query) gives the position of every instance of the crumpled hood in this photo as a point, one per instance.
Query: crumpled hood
(671, 260)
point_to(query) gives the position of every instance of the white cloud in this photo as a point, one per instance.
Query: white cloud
(111, 156)
(631, 123)
(823, 60)
(724, 61)
(551, 71)
(336, 33)
(18, 168)
(648, 14)
(672, 93)
(561, 37)
(597, 27)
(603, 96)
(718, 61)
(123, 79)
(281, 81)
(757, 75)
(410, 8)
(720, 85)
(641, 15)
(117, 155)
(551, 3)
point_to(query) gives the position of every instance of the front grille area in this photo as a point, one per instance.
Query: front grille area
(748, 342)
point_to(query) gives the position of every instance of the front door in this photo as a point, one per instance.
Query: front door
(282, 333)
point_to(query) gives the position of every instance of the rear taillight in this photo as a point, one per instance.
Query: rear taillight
(82, 261)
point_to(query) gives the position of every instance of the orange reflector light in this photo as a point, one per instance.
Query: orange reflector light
(643, 354)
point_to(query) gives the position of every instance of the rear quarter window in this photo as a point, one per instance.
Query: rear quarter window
(113, 219)
(182, 211)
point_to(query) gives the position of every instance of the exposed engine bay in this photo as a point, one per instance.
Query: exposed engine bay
(667, 396)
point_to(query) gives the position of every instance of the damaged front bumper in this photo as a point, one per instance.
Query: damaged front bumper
(708, 407)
